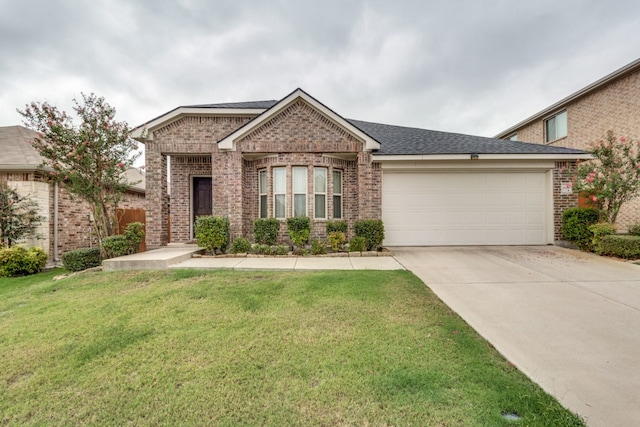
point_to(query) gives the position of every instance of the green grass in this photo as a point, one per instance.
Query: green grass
(250, 348)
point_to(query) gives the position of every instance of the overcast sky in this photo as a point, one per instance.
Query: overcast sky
(468, 66)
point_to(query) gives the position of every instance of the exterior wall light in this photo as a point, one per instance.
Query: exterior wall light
(474, 156)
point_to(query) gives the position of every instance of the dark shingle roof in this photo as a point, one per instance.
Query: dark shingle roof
(399, 140)
(258, 105)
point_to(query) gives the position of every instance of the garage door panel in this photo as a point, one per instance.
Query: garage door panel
(488, 208)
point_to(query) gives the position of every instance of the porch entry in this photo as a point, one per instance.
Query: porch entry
(202, 203)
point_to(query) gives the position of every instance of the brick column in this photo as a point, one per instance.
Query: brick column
(369, 187)
(562, 175)
(157, 208)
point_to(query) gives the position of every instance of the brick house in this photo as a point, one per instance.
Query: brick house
(296, 157)
(67, 224)
(584, 117)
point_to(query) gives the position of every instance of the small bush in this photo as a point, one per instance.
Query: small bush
(134, 233)
(635, 230)
(241, 246)
(337, 227)
(115, 246)
(337, 239)
(18, 261)
(357, 244)
(265, 231)
(599, 230)
(261, 249)
(620, 246)
(318, 247)
(299, 229)
(373, 232)
(575, 226)
(281, 250)
(212, 233)
(81, 259)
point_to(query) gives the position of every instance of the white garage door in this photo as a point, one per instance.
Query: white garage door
(479, 208)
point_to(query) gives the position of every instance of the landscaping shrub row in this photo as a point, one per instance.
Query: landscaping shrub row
(581, 226)
(212, 233)
(18, 261)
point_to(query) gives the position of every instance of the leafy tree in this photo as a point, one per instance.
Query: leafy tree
(613, 177)
(19, 216)
(89, 158)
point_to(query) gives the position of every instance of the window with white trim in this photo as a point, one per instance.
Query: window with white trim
(262, 190)
(320, 193)
(280, 193)
(512, 137)
(555, 127)
(337, 194)
(300, 191)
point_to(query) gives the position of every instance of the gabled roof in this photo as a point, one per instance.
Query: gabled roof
(259, 105)
(598, 84)
(406, 141)
(228, 142)
(17, 151)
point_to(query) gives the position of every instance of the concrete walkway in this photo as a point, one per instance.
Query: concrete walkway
(567, 319)
(181, 257)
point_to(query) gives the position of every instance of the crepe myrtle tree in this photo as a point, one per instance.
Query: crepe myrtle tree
(19, 217)
(90, 158)
(612, 178)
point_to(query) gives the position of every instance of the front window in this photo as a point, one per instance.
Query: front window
(299, 191)
(320, 193)
(280, 192)
(337, 194)
(556, 127)
(262, 183)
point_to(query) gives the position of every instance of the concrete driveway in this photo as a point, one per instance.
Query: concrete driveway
(568, 320)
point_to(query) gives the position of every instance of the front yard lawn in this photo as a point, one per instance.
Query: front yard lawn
(251, 348)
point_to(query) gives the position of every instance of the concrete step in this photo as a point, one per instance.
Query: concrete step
(157, 259)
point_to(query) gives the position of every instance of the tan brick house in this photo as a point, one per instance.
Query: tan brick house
(67, 224)
(297, 157)
(584, 117)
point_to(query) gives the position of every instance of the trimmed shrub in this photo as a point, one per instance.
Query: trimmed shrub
(265, 231)
(621, 246)
(337, 227)
(261, 249)
(299, 229)
(318, 247)
(373, 232)
(575, 226)
(212, 233)
(81, 259)
(281, 250)
(115, 246)
(635, 230)
(134, 233)
(599, 230)
(337, 239)
(357, 244)
(241, 246)
(18, 261)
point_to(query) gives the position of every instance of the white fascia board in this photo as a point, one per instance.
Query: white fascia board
(228, 143)
(481, 157)
(143, 132)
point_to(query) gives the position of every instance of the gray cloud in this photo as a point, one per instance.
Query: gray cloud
(465, 66)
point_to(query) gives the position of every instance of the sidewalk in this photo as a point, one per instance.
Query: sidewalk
(181, 257)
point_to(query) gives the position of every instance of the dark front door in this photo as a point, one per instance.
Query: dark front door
(201, 197)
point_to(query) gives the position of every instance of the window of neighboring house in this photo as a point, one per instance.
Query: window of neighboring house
(280, 192)
(337, 194)
(262, 190)
(299, 191)
(320, 193)
(512, 137)
(556, 127)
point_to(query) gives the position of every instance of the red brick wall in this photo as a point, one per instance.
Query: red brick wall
(561, 176)
(614, 107)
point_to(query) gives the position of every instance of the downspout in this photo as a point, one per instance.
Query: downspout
(55, 222)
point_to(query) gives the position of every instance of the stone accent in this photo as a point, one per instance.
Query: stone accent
(613, 107)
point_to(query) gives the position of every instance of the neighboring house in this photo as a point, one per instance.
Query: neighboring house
(584, 117)
(67, 224)
(297, 157)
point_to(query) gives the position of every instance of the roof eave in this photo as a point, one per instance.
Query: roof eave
(144, 132)
(510, 156)
(619, 73)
